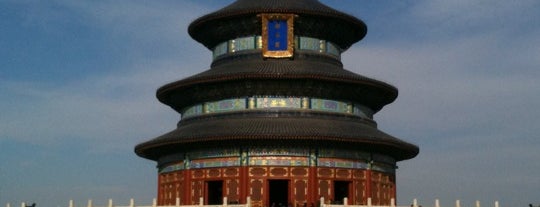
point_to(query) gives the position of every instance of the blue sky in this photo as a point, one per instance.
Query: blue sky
(78, 81)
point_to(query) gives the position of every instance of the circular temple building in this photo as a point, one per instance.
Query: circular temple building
(276, 118)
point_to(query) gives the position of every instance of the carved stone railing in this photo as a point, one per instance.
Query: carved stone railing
(249, 203)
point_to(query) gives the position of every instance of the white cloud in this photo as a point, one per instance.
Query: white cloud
(109, 111)
(482, 77)
(468, 93)
(481, 16)
(115, 109)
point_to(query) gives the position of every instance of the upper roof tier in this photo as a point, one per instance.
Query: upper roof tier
(314, 19)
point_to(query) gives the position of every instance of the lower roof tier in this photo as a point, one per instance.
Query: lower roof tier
(268, 127)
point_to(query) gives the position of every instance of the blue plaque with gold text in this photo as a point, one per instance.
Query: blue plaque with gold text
(277, 35)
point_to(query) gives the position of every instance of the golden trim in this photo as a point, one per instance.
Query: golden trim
(290, 36)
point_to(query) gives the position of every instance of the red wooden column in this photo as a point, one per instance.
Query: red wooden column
(312, 186)
(244, 184)
(160, 190)
(394, 188)
(187, 183)
(244, 176)
(369, 182)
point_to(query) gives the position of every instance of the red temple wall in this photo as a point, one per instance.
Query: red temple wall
(172, 185)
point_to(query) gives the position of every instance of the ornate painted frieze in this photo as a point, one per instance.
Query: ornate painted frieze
(279, 151)
(209, 163)
(255, 43)
(277, 102)
(309, 43)
(220, 49)
(203, 154)
(339, 163)
(172, 168)
(332, 49)
(225, 105)
(192, 111)
(261, 102)
(348, 154)
(243, 43)
(329, 105)
(284, 157)
(278, 161)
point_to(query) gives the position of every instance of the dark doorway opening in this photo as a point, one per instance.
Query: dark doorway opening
(278, 193)
(214, 191)
(341, 190)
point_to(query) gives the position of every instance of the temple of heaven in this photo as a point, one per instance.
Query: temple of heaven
(276, 118)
